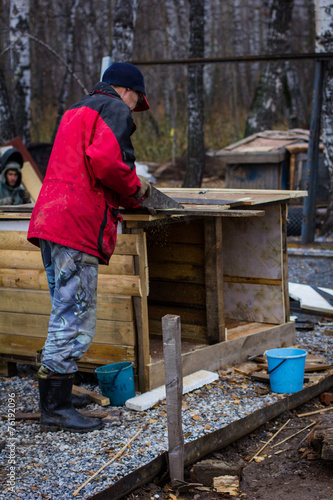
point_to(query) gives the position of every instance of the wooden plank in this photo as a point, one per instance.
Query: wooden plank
(95, 397)
(249, 329)
(233, 352)
(36, 325)
(252, 281)
(18, 259)
(119, 285)
(127, 244)
(285, 276)
(141, 312)
(16, 240)
(31, 180)
(252, 247)
(214, 280)
(34, 279)
(256, 303)
(174, 392)
(177, 293)
(116, 308)
(97, 354)
(190, 232)
(193, 315)
(179, 272)
(195, 333)
(177, 252)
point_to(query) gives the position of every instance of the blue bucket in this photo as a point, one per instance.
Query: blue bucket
(116, 382)
(286, 369)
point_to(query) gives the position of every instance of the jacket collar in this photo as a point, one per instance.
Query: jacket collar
(104, 88)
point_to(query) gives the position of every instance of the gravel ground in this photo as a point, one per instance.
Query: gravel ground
(53, 465)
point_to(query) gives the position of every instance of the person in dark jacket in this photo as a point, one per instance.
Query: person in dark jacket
(91, 172)
(11, 190)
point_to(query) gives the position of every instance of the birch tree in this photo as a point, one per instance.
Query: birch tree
(325, 44)
(20, 93)
(195, 107)
(276, 86)
(123, 30)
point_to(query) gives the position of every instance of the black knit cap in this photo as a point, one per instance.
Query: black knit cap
(129, 76)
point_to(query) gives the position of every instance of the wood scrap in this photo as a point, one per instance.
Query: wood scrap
(293, 435)
(96, 398)
(246, 368)
(226, 484)
(105, 415)
(117, 455)
(320, 440)
(263, 447)
(314, 412)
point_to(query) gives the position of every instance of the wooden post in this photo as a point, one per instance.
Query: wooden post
(174, 392)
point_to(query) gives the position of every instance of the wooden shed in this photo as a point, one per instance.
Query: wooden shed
(220, 264)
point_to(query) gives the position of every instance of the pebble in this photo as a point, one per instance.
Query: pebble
(52, 465)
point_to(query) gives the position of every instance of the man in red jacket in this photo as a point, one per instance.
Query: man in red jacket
(91, 172)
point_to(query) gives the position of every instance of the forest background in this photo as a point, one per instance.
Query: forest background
(51, 55)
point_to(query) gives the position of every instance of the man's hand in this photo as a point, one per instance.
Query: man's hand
(7, 201)
(25, 195)
(143, 191)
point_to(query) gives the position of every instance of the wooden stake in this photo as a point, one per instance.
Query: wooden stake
(261, 449)
(314, 412)
(289, 437)
(174, 393)
(117, 455)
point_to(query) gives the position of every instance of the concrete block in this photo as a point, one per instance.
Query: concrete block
(190, 383)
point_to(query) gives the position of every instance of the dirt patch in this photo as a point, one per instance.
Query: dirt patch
(285, 470)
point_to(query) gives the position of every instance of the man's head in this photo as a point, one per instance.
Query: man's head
(13, 174)
(128, 76)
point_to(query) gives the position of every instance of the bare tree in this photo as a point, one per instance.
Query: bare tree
(196, 147)
(20, 93)
(278, 83)
(71, 8)
(325, 44)
(123, 30)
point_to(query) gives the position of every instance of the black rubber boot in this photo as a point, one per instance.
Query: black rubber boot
(57, 410)
(81, 400)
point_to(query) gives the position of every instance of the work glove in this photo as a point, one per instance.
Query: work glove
(7, 201)
(25, 195)
(144, 190)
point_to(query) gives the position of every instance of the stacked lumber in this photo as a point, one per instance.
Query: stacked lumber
(25, 303)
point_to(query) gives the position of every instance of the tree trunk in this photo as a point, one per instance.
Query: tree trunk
(325, 44)
(123, 30)
(69, 60)
(275, 85)
(20, 94)
(7, 126)
(196, 148)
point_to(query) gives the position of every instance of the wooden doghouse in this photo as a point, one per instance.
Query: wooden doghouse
(220, 264)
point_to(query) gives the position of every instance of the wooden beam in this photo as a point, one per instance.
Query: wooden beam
(218, 356)
(174, 392)
(141, 311)
(214, 280)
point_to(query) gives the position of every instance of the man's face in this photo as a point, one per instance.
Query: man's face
(11, 177)
(130, 97)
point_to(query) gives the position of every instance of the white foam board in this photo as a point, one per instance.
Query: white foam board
(309, 298)
(190, 383)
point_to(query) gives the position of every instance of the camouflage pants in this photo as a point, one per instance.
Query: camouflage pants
(72, 280)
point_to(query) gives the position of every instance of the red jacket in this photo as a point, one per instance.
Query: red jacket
(91, 171)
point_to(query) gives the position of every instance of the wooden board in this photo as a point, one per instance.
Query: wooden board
(36, 325)
(31, 180)
(127, 244)
(116, 308)
(253, 247)
(16, 259)
(219, 356)
(256, 303)
(97, 354)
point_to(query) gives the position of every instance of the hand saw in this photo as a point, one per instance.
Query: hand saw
(159, 200)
